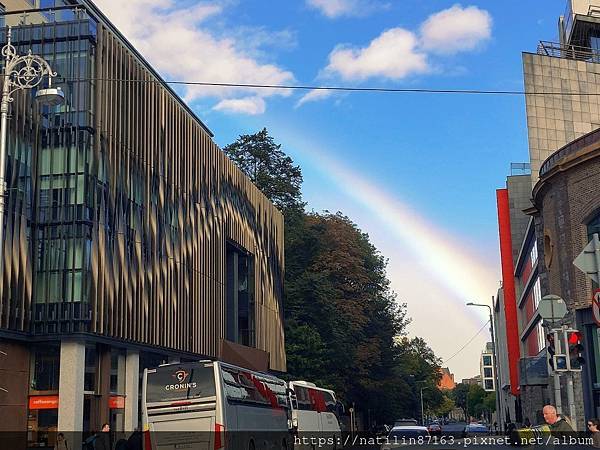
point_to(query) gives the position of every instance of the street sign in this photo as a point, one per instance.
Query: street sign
(588, 261)
(596, 307)
(552, 307)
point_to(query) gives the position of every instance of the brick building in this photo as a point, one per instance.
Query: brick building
(567, 214)
(447, 379)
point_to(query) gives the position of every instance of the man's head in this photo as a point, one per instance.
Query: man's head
(550, 415)
(105, 428)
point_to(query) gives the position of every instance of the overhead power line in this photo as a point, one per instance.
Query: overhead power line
(332, 88)
(468, 342)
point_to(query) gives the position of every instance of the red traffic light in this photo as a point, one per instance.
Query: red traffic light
(574, 337)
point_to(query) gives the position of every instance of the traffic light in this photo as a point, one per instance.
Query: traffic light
(551, 349)
(557, 359)
(575, 350)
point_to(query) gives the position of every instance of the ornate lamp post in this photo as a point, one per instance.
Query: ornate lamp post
(20, 73)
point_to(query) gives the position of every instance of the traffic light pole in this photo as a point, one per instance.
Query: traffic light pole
(570, 389)
(557, 395)
(557, 391)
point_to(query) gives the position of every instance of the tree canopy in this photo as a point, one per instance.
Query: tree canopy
(268, 167)
(344, 327)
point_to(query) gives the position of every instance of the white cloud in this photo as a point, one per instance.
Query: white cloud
(338, 8)
(247, 105)
(312, 96)
(394, 54)
(177, 42)
(456, 29)
(398, 53)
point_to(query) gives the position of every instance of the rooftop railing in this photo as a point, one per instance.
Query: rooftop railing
(558, 50)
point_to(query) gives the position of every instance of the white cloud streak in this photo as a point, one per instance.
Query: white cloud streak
(456, 29)
(247, 105)
(313, 96)
(178, 43)
(339, 8)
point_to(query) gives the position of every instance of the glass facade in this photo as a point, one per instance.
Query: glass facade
(123, 208)
(48, 169)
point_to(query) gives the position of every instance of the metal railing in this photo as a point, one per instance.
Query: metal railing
(44, 15)
(568, 51)
(520, 168)
(577, 52)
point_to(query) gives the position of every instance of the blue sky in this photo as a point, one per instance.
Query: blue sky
(436, 160)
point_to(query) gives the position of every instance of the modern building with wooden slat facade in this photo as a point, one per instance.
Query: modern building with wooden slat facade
(130, 238)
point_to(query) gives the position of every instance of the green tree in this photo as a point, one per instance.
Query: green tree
(344, 327)
(269, 168)
(476, 399)
(460, 396)
(446, 406)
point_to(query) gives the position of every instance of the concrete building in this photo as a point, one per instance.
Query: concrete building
(570, 66)
(486, 366)
(130, 239)
(508, 404)
(475, 380)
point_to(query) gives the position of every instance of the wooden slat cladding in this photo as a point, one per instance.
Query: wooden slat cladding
(169, 289)
(152, 217)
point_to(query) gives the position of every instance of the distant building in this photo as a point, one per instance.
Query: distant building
(447, 380)
(486, 364)
(475, 380)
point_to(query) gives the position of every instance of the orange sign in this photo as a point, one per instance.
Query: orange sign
(43, 402)
(116, 402)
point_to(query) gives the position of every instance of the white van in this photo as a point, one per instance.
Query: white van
(211, 405)
(314, 414)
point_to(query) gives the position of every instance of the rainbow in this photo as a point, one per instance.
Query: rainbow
(466, 275)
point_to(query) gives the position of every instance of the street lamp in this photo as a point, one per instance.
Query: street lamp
(495, 365)
(20, 73)
(422, 410)
(424, 387)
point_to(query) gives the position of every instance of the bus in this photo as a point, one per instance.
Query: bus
(211, 405)
(315, 413)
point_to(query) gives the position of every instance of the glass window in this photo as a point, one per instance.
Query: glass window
(487, 360)
(329, 402)
(303, 397)
(489, 385)
(593, 226)
(541, 336)
(487, 372)
(537, 293)
(180, 382)
(534, 254)
(46, 367)
(89, 380)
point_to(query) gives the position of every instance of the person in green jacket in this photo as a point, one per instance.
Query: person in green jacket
(558, 426)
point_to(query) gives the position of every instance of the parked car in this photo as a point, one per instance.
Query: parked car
(435, 428)
(381, 430)
(475, 429)
(406, 423)
(406, 435)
